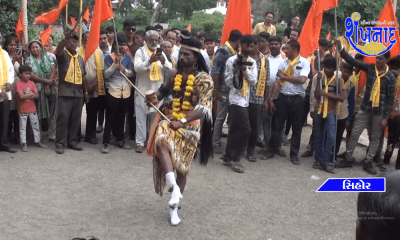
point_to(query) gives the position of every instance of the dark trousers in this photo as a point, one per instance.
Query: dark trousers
(238, 131)
(4, 118)
(131, 118)
(254, 116)
(13, 126)
(393, 138)
(341, 126)
(68, 120)
(102, 109)
(306, 108)
(115, 118)
(288, 125)
(92, 108)
(292, 107)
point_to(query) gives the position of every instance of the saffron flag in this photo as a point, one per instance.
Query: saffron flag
(328, 36)
(51, 16)
(44, 36)
(102, 12)
(19, 29)
(73, 21)
(86, 15)
(189, 27)
(323, 5)
(387, 15)
(237, 8)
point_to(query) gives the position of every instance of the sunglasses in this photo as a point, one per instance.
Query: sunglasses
(130, 29)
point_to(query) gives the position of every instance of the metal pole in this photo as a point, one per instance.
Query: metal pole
(337, 88)
(25, 22)
(80, 22)
(319, 71)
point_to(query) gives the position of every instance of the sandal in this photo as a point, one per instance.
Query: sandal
(316, 165)
(237, 167)
(252, 158)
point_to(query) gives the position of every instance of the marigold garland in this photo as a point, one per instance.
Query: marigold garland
(177, 107)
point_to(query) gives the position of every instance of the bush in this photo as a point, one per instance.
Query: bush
(210, 23)
(280, 30)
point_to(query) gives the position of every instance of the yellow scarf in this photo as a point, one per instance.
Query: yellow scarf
(396, 90)
(376, 90)
(155, 71)
(246, 83)
(262, 79)
(355, 79)
(212, 60)
(74, 74)
(290, 70)
(100, 77)
(230, 47)
(173, 62)
(324, 106)
(81, 52)
(4, 69)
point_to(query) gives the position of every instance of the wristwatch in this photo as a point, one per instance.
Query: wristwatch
(183, 121)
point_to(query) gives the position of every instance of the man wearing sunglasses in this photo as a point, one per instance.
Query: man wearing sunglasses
(129, 30)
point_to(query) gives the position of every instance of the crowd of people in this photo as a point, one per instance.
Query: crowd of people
(259, 84)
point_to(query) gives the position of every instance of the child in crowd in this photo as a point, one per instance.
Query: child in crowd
(26, 92)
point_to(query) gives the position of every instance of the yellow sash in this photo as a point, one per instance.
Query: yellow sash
(81, 52)
(212, 60)
(324, 106)
(100, 77)
(173, 62)
(376, 90)
(396, 90)
(4, 69)
(74, 74)
(355, 79)
(155, 71)
(245, 88)
(290, 69)
(230, 47)
(262, 79)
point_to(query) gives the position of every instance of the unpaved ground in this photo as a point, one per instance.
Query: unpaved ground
(49, 196)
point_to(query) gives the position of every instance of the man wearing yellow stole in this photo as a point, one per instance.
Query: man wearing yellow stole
(71, 91)
(95, 78)
(240, 75)
(149, 66)
(6, 79)
(173, 145)
(375, 108)
(292, 75)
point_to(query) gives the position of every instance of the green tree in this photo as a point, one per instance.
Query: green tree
(210, 23)
(8, 16)
(176, 9)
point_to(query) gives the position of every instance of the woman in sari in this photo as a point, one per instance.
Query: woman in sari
(44, 71)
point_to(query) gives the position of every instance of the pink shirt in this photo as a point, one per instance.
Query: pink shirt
(27, 105)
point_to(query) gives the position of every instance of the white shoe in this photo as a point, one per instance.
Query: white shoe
(173, 212)
(176, 196)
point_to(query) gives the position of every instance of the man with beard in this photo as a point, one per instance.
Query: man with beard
(149, 66)
(239, 78)
(173, 145)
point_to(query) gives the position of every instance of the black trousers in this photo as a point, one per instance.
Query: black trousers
(131, 119)
(102, 109)
(306, 108)
(238, 131)
(115, 118)
(254, 116)
(68, 120)
(13, 127)
(393, 138)
(92, 108)
(292, 107)
(341, 126)
(4, 119)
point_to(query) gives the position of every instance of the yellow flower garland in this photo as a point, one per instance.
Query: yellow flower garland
(176, 110)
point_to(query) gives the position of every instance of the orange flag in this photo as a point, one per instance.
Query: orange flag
(323, 5)
(328, 36)
(102, 12)
(73, 21)
(388, 15)
(51, 16)
(44, 36)
(86, 15)
(189, 27)
(237, 8)
(19, 29)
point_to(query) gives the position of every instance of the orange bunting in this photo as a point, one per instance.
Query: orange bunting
(86, 15)
(328, 36)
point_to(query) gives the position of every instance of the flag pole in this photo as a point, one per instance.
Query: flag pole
(319, 71)
(337, 89)
(80, 22)
(66, 15)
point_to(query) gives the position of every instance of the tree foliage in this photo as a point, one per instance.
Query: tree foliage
(140, 16)
(210, 23)
(176, 9)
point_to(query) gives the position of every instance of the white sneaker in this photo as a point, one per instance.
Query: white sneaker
(173, 212)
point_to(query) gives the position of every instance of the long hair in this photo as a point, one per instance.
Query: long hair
(8, 40)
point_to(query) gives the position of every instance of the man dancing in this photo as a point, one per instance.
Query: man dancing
(173, 145)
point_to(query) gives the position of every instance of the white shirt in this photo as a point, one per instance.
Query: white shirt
(206, 59)
(10, 69)
(274, 63)
(302, 69)
(142, 69)
(235, 95)
(175, 53)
